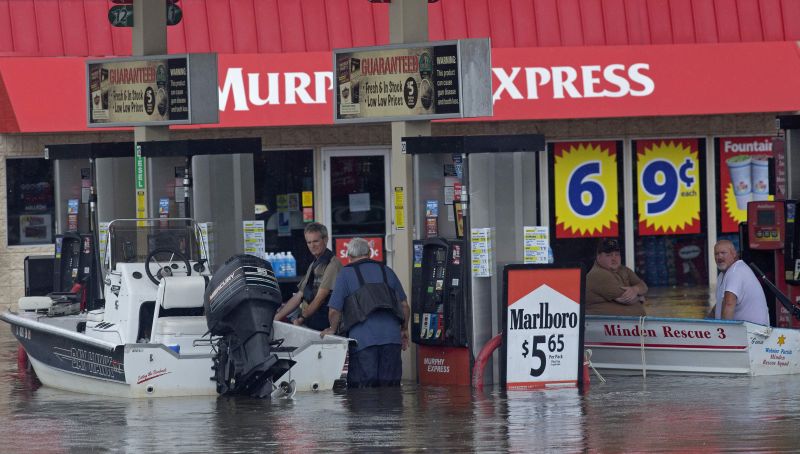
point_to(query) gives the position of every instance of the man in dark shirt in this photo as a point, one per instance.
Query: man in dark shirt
(316, 286)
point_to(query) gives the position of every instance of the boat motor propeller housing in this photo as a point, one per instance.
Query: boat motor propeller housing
(240, 303)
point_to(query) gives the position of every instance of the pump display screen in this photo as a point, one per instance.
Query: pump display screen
(765, 217)
(767, 229)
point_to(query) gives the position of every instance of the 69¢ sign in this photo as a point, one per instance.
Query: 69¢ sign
(668, 186)
(586, 189)
(544, 326)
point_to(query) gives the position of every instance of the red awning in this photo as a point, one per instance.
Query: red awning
(262, 90)
(80, 28)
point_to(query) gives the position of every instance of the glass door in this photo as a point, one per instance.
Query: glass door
(356, 203)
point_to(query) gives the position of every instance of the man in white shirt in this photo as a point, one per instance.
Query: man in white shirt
(739, 294)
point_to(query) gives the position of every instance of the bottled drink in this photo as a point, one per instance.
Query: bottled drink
(280, 265)
(291, 265)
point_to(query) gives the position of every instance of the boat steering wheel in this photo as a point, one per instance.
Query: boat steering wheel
(164, 270)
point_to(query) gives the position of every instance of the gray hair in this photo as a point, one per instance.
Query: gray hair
(358, 247)
(316, 227)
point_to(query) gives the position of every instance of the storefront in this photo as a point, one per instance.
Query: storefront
(639, 145)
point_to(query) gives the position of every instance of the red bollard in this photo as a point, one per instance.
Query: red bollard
(483, 357)
(586, 375)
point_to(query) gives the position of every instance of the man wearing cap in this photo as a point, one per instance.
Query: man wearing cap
(612, 288)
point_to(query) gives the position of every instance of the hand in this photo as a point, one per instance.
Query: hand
(299, 320)
(404, 340)
(629, 296)
(327, 331)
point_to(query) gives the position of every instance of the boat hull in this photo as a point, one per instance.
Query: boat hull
(690, 346)
(65, 359)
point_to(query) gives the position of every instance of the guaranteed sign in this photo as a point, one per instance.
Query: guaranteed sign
(412, 82)
(157, 90)
(544, 326)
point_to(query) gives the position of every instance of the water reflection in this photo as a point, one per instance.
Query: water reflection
(546, 420)
(686, 302)
(626, 414)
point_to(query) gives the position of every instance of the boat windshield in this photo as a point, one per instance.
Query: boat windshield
(132, 240)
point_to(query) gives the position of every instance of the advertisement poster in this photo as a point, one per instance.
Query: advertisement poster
(308, 214)
(482, 252)
(254, 238)
(284, 222)
(668, 186)
(375, 248)
(536, 241)
(586, 189)
(384, 83)
(138, 91)
(293, 201)
(163, 208)
(308, 199)
(544, 326)
(73, 206)
(399, 204)
(103, 240)
(743, 177)
(35, 228)
(207, 240)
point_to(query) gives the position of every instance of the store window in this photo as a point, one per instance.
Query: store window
(358, 195)
(284, 195)
(670, 212)
(29, 194)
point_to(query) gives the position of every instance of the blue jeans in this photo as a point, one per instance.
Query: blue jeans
(379, 365)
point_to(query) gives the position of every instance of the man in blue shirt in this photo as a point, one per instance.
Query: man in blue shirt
(371, 301)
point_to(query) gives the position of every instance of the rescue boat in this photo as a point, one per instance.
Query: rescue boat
(169, 327)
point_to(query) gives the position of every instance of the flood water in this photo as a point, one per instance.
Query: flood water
(625, 414)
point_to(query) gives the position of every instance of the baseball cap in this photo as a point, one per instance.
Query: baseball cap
(608, 245)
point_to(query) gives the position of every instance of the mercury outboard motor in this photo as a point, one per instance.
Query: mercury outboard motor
(240, 303)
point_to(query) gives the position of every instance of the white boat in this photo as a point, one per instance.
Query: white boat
(690, 346)
(151, 339)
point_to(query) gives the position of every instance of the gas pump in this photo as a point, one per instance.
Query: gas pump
(438, 277)
(770, 242)
(466, 190)
(76, 268)
(72, 262)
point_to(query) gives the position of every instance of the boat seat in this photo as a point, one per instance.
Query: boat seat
(179, 292)
(34, 303)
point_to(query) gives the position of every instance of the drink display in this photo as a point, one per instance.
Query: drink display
(741, 178)
(759, 174)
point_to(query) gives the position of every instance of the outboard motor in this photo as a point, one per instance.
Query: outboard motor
(240, 304)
